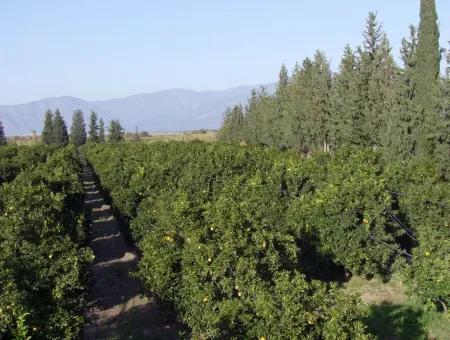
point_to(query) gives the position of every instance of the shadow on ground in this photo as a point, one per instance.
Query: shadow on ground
(117, 308)
(390, 321)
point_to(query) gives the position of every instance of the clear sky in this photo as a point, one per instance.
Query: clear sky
(100, 49)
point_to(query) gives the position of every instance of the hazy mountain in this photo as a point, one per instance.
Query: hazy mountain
(169, 110)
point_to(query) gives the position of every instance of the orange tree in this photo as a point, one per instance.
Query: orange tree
(221, 227)
(43, 262)
(421, 198)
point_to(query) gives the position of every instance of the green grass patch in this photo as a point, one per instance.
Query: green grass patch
(392, 315)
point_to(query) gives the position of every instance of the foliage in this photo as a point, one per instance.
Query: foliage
(47, 131)
(2, 135)
(422, 198)
(60, 136)
(116, 131)
(93, 128)
(43, 262)
(14, 159)
(101, 131)
(78, 129)
(426, 77)
(222, 229)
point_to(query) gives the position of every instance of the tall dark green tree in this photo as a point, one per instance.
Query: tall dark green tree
(426, 78)
(116, 132)
(376, 82)
(47, 131)
(443, 142)
(101, 131)
(93, 127)
(2, 134)
(280, 103)
(346, 115)
(78, 129)
(60, 135)
(400, 140)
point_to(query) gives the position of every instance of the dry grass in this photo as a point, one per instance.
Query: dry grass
(207, 136)
(375, 291)
(394, 315)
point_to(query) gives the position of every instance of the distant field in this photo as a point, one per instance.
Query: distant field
(207, 136)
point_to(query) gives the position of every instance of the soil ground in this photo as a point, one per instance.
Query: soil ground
(116, 306)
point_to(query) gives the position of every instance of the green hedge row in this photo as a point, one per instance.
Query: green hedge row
(43, 258)
(222, 230)
(14, 159)
(228, 233)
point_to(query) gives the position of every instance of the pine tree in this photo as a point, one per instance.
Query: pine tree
(93, 128)
(283, 80)
(280, 105)
(101, 131)
(232, 125)
(307, 118)
(346, 114)
(60, 135)
(426, 78)
(47, 131)
(376, 82)
(2, 135)
(116, 131)
(78, 129)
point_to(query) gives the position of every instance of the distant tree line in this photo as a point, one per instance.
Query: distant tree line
(370, 101)
(55, 129)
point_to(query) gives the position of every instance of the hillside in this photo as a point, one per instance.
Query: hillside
(168, 110)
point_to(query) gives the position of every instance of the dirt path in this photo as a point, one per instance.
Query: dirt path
(116, 308)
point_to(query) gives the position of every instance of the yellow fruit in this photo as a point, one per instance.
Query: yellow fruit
(365, 221)
(310, 322)
(427, 253)
(50, 256)
(205, 299)
(209, 259)
(239, 294)
(262, 338)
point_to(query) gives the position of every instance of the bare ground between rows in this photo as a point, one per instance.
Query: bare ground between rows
(116, 306)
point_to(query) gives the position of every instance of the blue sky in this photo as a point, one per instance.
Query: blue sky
(100, 49)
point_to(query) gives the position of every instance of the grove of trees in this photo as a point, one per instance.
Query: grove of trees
(55, 130)
(370, 101)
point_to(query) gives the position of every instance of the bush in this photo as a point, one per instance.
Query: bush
(43, 262)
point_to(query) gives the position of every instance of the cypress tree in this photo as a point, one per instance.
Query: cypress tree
(116, 131)
(101, 131)
(443, 146)
(426, 78)
(78, 129)
(400, 138)
(47, 131)
(2, 134)
(93, 128)
(60, 135)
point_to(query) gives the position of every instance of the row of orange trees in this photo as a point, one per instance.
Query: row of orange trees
(234, 236)
(43, 259)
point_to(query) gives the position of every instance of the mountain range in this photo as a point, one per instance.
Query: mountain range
(162, 111)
